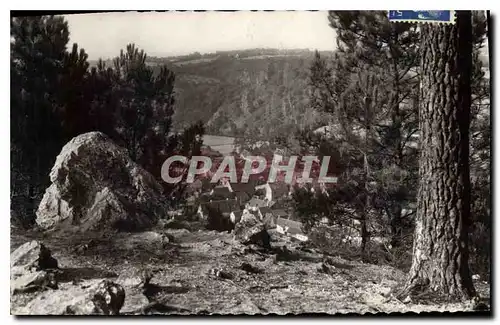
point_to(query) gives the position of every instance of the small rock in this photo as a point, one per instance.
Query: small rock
(108, 298)
(220, 274)
(134, 302)
(250, 268)
(82, 248)
(327, 269)
(250, 230)
(147, 275)
(476, 277)
(271, 260)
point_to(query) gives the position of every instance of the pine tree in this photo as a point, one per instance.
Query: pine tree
(143, 103)
(369, 90)
(372, 48)
(38, 49)
(146, 104)
(73, 95)
(440, 253)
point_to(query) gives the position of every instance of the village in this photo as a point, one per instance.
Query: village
(224, 203)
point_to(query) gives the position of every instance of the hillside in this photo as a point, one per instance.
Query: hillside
(257, 93)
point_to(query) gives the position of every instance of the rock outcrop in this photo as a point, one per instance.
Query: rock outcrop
(93, 297)
(32, 255)
(96, 186)
(32, 281)
(250, 230)
(31, 265)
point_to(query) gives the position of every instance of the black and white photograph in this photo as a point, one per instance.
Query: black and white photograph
(271, 163)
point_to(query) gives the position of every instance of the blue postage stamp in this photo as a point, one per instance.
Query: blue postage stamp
(422, 16)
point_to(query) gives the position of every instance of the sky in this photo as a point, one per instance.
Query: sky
(177, 33)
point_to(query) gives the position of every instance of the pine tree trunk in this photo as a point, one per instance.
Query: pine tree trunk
(365, 235)
(396, 229)
(440, 251)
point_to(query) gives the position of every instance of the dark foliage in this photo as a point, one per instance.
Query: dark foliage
(55, 97)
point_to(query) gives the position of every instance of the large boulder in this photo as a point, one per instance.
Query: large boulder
(96, 186)
(251, 230)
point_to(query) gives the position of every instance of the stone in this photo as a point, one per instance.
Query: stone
(219, 273)
(95, 186)
(150, 239)
(135, 301)
(327, 269)
(31, 268)
(249, 268)
(32, 255)
(96, 297)
(250, 230)
(32, 281)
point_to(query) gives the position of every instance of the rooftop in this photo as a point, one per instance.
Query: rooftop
(222, 206)
(264, 210)
(222, 192)
(256, 202)
(294, 227)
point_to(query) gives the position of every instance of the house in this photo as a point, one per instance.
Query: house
(222, 207)
(324, 221)
(191, 200)
(268, 194)
(245, 153)
(194, 188)
(217, 214)
(242, 197)
(219, 193)
(236, 216)
(206, 186)
(202, 211)
(264, 213)
(291, 228)
(247, 188)
(279, 190)
(275, 191)
(242, 191)
(280, 213)
(255, 203)
(319, 188)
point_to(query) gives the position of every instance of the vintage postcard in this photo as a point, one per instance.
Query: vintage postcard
(250, 163)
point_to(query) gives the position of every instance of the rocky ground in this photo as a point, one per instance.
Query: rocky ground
(206, 272)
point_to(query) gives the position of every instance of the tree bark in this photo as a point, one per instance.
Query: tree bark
(440, 251)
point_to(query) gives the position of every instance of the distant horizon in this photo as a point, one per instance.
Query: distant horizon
(214, 53)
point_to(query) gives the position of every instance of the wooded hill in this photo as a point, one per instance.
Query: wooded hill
(255, 93)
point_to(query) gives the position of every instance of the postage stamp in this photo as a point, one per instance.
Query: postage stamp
(422, 16)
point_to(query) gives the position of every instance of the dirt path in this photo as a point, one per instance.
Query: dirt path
(283, 283)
